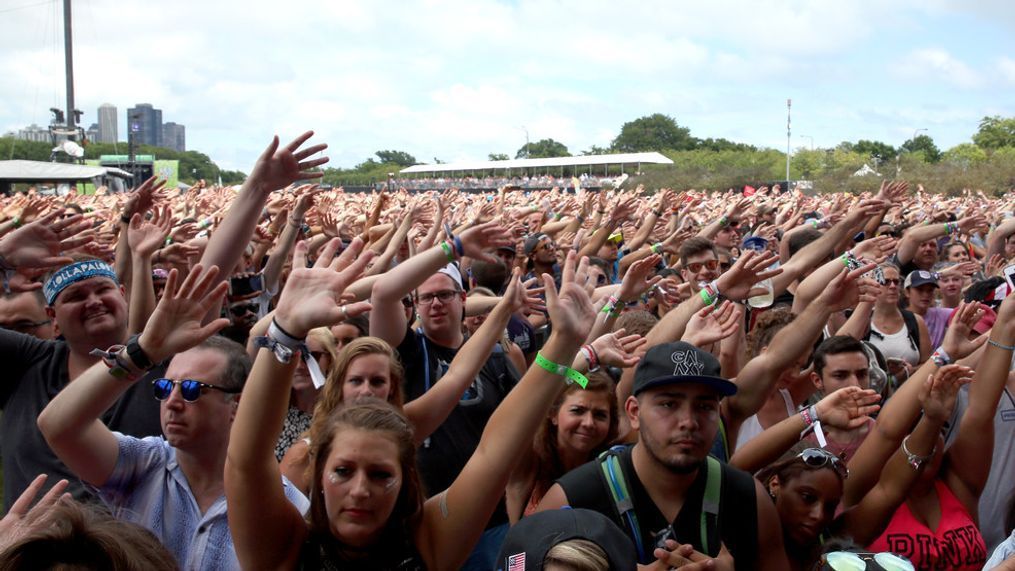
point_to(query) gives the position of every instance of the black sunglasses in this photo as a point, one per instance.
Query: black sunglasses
(819, 458)
(190, 389)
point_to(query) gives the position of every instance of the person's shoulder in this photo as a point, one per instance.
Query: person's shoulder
(740, 483)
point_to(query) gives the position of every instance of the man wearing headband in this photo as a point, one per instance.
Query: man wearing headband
(427, 351)
(89, 311)
(666, 475)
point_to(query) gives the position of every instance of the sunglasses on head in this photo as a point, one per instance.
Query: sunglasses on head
(190, 389)
(695, 267)
(850, 561)
(820, 458)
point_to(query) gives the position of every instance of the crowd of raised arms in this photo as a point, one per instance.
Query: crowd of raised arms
(280, 376)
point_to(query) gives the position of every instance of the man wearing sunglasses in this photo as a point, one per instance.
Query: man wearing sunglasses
(171, 485)
(699, 262)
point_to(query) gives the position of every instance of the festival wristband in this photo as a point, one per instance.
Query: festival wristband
(459, 247)
(569, 374)
(656, 248)
(591, 356)
(448, 251)
(940, 358)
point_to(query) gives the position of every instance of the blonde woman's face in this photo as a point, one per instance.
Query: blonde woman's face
(367, 376)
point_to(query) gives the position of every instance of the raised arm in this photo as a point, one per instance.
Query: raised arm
(429, 411)
(145, 237)
(387, 320)
(969, 456)
(71, 424)
(866, 521)
(917, 235)
(287, 240)
(845, 409)
(139, 202)
(275, 168)
(454, 520)
(267, 530)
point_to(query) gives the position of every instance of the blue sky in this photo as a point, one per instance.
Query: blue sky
(459, 79)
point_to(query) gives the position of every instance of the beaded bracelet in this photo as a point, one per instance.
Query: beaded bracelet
(569, 374)
(1000, 346)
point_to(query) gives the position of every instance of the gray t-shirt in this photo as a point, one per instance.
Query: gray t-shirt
(34, 372)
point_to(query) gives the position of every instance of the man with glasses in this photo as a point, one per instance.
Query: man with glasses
(26, 313)
(172, 486)
(699, 262)
(427, 351)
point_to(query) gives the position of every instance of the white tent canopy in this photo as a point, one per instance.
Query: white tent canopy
(40, 171)
(586, 160)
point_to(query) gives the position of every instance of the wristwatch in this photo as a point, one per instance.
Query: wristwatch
(137, 354)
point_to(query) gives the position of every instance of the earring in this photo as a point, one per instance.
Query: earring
(771, 494)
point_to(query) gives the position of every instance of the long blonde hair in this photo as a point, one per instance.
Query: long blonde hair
(331, 398)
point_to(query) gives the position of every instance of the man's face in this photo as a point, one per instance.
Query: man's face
(597, 275)
(25, 313)
(506, 256)
(545, 251)
(1009, 247)
(727, 237)
(205, 422)
(93, 308)
(926, 255)
(701, 267)
(440, 315)
(921, 297)
(677, 423)
(843, 370)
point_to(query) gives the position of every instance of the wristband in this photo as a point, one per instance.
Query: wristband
(276, 332)
(1000, 346)
(459, 247)
(569, 374)
(137, 355)
(125, 219)
(119, 364)
(709, 300)
(658, 213)
(814, 223)
(940, 358)
(610, 308)
(447, 251)
(591, 356)
(724, 221)
(915, 460)
(656, 248)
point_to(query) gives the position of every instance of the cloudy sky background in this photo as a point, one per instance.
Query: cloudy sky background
(459, 79)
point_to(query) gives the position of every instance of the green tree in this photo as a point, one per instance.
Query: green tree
(965, 154)
(542, 149)
(724, 145)
(925, 145)
(655, 132)
(595, 150)
(995, 132)
(498, 157)
(400, 158)
(883, 151)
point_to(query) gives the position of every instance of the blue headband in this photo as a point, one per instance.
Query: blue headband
(73, 273)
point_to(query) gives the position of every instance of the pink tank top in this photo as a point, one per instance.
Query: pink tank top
(956, 544)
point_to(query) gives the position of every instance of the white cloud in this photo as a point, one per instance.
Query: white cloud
(1006, 67)
(935, 64)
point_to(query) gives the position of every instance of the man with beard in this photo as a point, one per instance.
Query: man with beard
(655, 490)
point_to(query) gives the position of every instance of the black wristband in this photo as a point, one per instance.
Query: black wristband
(137, 354)
(125, 219)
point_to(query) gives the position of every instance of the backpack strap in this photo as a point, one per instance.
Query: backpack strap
(912, 328)
(710, 504)
(613, 477)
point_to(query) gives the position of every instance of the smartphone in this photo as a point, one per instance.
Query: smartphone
(246, 285)
(1009, 276)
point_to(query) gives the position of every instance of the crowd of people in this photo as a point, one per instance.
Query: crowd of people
(524, 181)
(280, 376)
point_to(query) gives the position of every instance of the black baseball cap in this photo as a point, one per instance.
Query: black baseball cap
(532, 241)
(680, 362)
(528, 541)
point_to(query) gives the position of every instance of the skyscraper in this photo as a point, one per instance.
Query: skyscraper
(108, 132)
(174, 136)
(146, 123)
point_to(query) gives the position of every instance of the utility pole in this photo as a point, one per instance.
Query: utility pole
(68, 52)
(789, 104)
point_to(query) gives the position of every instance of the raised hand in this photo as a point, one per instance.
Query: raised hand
(877, 249)
(278, 167)
(480, 240)
(145, 236)
(178, 254)
(38, 245)
(20, 520)
(640, 277)
(940, 391)
(140, 200)
(312, 296)
(570, 310)
(844, 291)
(712, 324)
(956, 341)
(618, 350)
(175, 325)
(750, 269)
(848, 407)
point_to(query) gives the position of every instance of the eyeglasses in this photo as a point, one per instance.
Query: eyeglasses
(695, 267)
(444, 296)
(819, 458)
(24, 326)
(190, 389)
(243, 308)
(892, 281)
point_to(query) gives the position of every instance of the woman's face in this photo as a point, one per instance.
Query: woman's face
(957, 253)
(473, 322)
(890, 291)
(301, 378)
(361, 480)
(583, 421)
(344, 334)
(806, 503)
(367, 375)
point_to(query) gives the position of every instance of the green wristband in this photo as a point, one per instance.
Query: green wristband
(448, 252)
(571, 375)
(709, 300)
